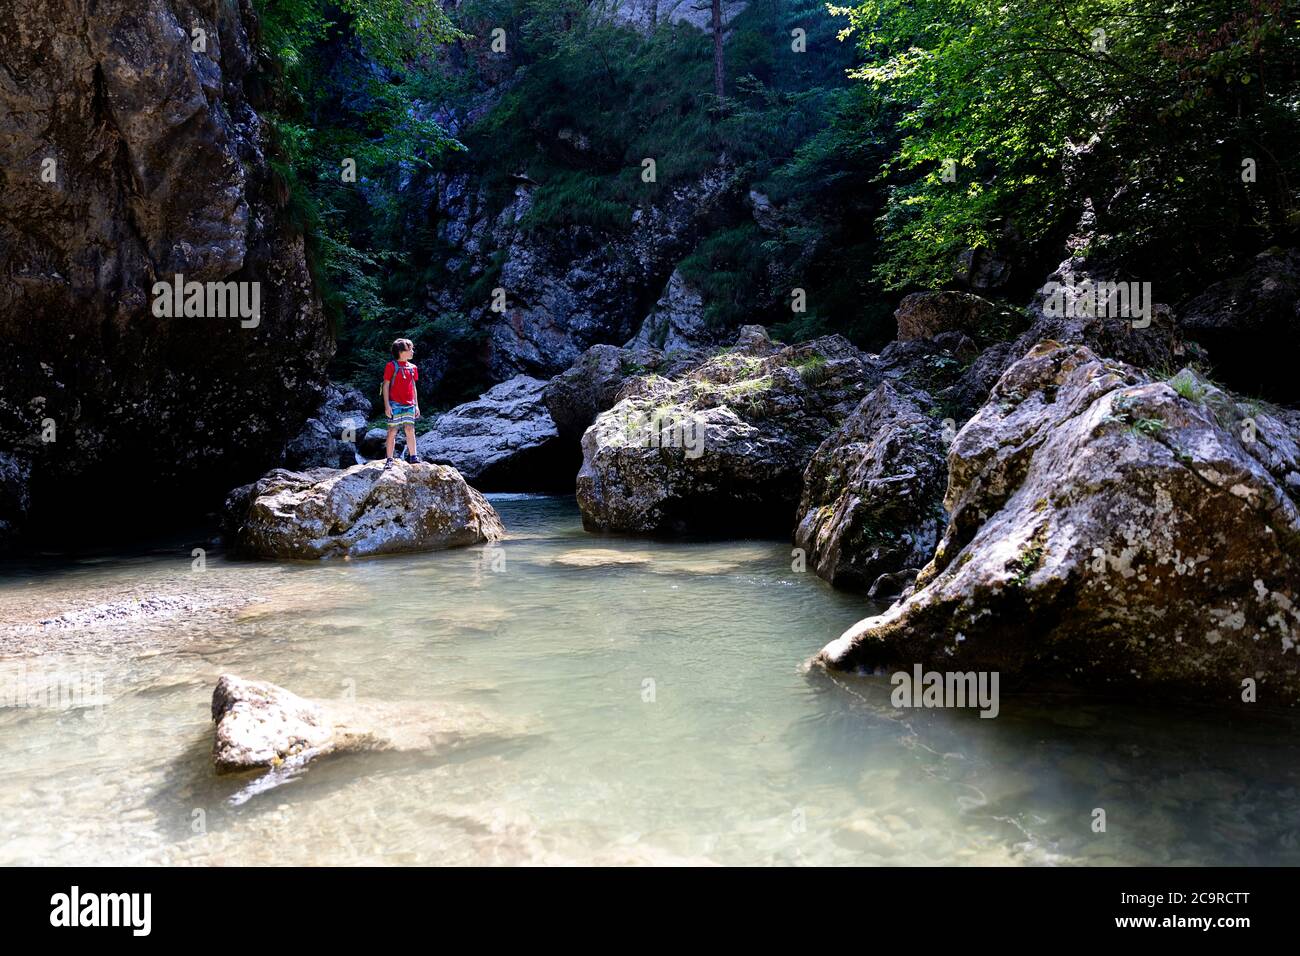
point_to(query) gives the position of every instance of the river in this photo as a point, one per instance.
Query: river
(623, 701)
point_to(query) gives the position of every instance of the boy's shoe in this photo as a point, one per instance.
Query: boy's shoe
(414, 460)
(388, 463)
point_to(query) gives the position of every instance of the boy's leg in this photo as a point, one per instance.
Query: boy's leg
(392, 436)
(411, 451)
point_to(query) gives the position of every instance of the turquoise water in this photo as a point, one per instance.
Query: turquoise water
(607, 700)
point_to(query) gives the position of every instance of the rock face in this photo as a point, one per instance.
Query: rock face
(872, 501)
(261, 726)
(1251, 326)
(984, 269)
(676, 322)
(723, 447)
(503, 441)
(644, 15)
(363, 510)
(1107, 528)
(323, 441)
(129, 159)
(569, 288)
(924, 315)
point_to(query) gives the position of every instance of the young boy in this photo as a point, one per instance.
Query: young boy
(401, 404)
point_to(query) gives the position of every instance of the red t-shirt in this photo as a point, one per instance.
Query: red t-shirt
(403, 378)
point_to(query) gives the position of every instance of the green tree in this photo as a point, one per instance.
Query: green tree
(1031, 108)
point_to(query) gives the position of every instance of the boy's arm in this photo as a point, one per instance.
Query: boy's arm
(388, 406)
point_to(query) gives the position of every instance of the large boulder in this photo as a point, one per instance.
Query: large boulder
(1250, 324)
(261, 726)
(129, 159)
(939, 367)
(591, 385)
(724, 446)
(872, 502)
(1061, 311)
(956, 346)
(363, 510)
(505, 440)
(330, 438)
(1108, 528)
(924, 315)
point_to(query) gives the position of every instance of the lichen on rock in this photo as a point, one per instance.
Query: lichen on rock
(873, 492)
(723, 446)
(363, 510)
(1106, 529)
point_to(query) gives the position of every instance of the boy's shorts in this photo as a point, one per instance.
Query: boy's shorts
(402, 415)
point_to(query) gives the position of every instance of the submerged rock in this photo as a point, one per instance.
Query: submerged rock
(873, 493)
(261, 726)
(1107, 528)
(601, 558)
(363, 510)
(723, 447)
(505, 440)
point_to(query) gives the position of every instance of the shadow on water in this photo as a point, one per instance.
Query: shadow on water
(1212, 786)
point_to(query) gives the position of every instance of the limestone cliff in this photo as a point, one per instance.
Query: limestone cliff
(133, 151)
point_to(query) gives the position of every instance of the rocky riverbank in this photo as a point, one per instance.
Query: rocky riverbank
(1043, 489)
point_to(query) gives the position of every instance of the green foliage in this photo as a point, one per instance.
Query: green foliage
(573, 198)
(1150, 427)
(588, 101)
(727, 267)
(1024, 565)
(1039, 104)
(1186, 384)
(813, 369)
(351, 78)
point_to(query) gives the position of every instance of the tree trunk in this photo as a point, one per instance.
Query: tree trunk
(718, 72)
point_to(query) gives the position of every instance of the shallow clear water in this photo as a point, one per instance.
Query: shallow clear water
(654, 711)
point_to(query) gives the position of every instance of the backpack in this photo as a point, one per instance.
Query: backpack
(397, 370)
